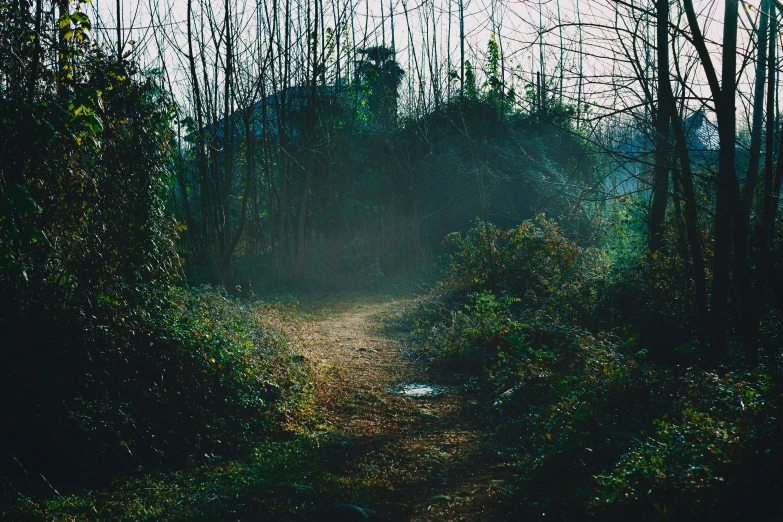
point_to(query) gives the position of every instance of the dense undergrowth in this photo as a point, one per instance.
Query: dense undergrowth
(110, 371)
(599, 417)
(207, 380)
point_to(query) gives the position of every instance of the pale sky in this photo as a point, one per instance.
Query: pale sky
(520, 25)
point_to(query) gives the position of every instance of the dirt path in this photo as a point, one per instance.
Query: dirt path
(406, 458)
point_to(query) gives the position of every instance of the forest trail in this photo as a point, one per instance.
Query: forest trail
(408, 458)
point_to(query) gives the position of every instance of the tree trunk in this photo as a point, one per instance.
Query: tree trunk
(691, 221)
(311, 144)
(769, 206)
(754, 153)
(228, 155)
(727, 181)
(748, 320)
(725, 105)
(119, 30)
(461, 49)
(301, 228)
(249, 168)
(203, 175)
(661, 171)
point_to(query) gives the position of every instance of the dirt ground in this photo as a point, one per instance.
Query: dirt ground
(417, 458)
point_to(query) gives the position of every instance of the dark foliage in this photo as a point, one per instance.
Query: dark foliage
(107, 368)
(595, 427)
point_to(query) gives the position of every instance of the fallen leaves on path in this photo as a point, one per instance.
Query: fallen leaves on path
(407, 458)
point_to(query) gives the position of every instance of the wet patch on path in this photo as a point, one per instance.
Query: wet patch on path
(411, 443)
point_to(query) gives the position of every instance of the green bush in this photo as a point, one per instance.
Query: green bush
(499, 287)
(593, 426)
(83, 231)
(534, 262)
(196, 381)
(640, 291)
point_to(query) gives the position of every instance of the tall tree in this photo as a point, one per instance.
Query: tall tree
(310, 131)
(727, 191)
(379, 71)
(461, 48)
(769, 202)
(744, 202)
(662, 118)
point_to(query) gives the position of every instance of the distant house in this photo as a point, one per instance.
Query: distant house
(636, 150)
(295, 99)
(701, 132)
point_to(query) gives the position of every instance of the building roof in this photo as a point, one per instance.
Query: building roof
(295, 98)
